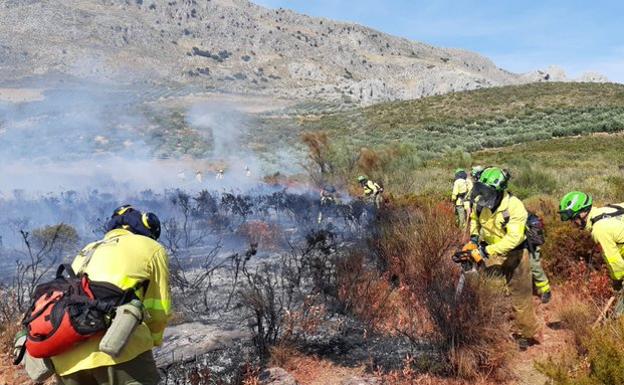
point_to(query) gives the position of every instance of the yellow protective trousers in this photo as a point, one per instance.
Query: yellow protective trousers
(515, 269)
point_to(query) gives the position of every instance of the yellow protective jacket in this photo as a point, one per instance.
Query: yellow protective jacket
(609, 233)
(501, 234)
(371, 188)
(124, 259)
(460, 191)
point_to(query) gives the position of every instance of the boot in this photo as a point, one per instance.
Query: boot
(546, 297)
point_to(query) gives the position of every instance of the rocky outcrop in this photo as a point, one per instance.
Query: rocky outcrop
(191, 340)
(233, 46)
(593, 77)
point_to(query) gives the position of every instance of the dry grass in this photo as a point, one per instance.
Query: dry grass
(268, 236)
(577, 315)
(601, 364)
(310, 370)
(414, 295)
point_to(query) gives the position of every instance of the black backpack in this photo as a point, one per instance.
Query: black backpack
(534, 230)
(535, 234)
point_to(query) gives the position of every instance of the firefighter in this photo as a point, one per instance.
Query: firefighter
(128, 257)
(372, 190)
(459, 196)
(606, 225)
(497, 228)
(475, 173)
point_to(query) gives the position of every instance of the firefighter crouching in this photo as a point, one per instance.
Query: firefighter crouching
(123, 277)
(497, 228)
(606, 225)
(372, 190)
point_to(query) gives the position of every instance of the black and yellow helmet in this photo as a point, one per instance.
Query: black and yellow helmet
(151, 222)
(141, 223)
(121, 210)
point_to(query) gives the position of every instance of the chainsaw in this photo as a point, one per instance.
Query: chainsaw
(468, 266)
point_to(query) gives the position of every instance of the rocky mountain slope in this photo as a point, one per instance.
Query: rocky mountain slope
(232, 46)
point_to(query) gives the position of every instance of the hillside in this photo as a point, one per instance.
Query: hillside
(472, 120)
(232, 46)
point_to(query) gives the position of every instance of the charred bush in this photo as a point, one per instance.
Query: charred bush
(414, 293)
(296, 288)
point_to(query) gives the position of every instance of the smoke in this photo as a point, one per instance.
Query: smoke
(228, 129)
(80, 144)
(78, 137)
(84, 136)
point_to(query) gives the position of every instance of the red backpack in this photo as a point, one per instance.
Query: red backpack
(69, 310)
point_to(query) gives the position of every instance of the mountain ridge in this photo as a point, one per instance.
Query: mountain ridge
(234, 46)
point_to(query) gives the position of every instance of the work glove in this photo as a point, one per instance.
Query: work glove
(470, 246)
(617, 285)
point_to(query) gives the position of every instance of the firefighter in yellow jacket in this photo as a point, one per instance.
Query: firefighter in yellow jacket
(606, 225)
(129, 257)
(459, 196)
(372, 190)
(497, 227)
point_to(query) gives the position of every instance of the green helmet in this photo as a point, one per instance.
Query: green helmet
(476, 171)
(574, 203)
(362, 178)
(495, 178)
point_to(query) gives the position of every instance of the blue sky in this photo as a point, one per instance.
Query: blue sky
(518, 36)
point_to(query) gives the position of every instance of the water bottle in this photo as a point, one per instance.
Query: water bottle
(127, 317)
(38, 369)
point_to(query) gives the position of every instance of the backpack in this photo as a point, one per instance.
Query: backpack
(535, 234)
(534, 230)
(68, 310)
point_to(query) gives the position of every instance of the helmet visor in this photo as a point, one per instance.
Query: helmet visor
(567, 215)
(485, 196)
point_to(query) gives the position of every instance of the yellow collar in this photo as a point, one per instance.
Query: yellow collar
(116, 233)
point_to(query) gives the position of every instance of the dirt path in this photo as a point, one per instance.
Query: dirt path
(554, 340)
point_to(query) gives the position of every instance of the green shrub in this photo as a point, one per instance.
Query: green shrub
(528, 180)
(605, 356)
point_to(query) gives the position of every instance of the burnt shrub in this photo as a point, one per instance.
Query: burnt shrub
(418, 300)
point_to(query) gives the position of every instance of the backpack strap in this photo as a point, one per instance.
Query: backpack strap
(619, 211)
(65, 267)
(88, 253)
(506, 217)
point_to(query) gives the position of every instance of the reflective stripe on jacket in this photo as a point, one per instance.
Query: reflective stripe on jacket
(609, 233)
(125, 260)
(371, 188)
(501, 235)
(460, 190)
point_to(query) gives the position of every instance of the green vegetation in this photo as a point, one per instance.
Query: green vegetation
(493, 117)
(594, 164)
(413, 148)
(470, 121)
(604, 359)
(171, 135)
